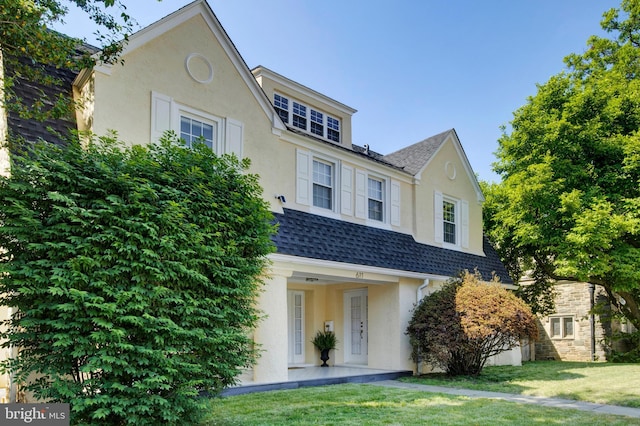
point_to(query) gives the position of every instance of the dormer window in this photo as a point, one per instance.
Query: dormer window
(333, 129)
(282, 107)
(307, 119)
(299, 116)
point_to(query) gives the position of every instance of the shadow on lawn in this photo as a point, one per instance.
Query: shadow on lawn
(506, 378)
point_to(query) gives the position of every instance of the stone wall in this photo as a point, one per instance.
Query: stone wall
(572, 308)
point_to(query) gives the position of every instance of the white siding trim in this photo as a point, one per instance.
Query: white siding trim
(346, 193)
(234, 137)
(437, 214)
(161, 107)
(395, 203)
(464, 222)
(361, 194)
(303, 177)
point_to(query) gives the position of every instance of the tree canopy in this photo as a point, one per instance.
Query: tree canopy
(28, 45)
(568, 205)
(133, 274)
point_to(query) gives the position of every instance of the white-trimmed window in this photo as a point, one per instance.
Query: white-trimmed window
(307, 118)
(282, 107)
(193, 130)
(561, 327)
(375, 195)
(451, 225)
(449, 221)
(221, 134)
(323, 184)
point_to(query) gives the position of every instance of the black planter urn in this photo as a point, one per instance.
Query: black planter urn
(324, 356)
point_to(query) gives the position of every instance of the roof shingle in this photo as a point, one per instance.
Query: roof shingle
(318, 237)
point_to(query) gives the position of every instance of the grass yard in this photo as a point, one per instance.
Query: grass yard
(353, 404)
(615, 384)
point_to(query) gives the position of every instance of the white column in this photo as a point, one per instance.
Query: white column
(271, 334)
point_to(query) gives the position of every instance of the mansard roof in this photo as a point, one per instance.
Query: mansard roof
(317, 237)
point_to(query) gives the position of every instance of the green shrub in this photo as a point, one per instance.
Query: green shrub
(134, 271)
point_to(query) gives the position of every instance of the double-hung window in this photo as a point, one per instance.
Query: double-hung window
(375, 194)
(317, 123)
(561, 327)
(333, 129)
(299, 116)
(194, 131)
(307, 118)
(449, 222)
(323, 184)
(282, 107)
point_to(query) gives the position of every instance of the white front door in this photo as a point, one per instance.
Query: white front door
(295, 303)
(356, 329)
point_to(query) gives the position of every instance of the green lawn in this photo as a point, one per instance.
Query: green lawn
(354, 404)
(615, 384)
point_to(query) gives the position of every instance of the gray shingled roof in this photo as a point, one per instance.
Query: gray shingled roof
(414, 157)
(318, 237)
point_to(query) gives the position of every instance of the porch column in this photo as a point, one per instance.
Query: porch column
(271, 334)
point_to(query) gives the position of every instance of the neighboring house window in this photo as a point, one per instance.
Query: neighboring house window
(322, 184)
(561, 327)
(282, 107)
(306, 118)
(375, 199)
(193, 131)
(449, 234)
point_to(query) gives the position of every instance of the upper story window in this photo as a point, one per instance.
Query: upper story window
(193, 131)
(282, 107)
(307, 119)
(323, 184)
(333, 129)
(451, 227)
(375, 199)
(449, 221)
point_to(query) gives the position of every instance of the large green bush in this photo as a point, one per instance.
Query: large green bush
(459, 327)
(134, 271)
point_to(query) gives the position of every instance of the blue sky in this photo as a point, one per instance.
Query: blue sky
(412, 69)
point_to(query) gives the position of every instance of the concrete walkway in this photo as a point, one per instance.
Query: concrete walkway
(523, 399)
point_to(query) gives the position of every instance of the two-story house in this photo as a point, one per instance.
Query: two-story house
(362, 236)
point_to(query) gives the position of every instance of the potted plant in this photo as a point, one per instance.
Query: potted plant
(324, 341)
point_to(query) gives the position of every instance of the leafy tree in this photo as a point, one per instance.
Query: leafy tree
(134, 273)
(462, 325)
(28, 47)
(568, 206)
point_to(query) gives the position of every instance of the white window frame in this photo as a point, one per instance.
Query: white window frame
(382, 200)
(461, 221)
(455, 222)
(166, 114)
(332, 187)
(562, 319)
(321, 118)
(212, 120)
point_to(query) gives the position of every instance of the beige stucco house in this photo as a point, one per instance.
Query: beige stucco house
(362, 236)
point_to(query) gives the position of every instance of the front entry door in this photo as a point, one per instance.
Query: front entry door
(356, 327)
